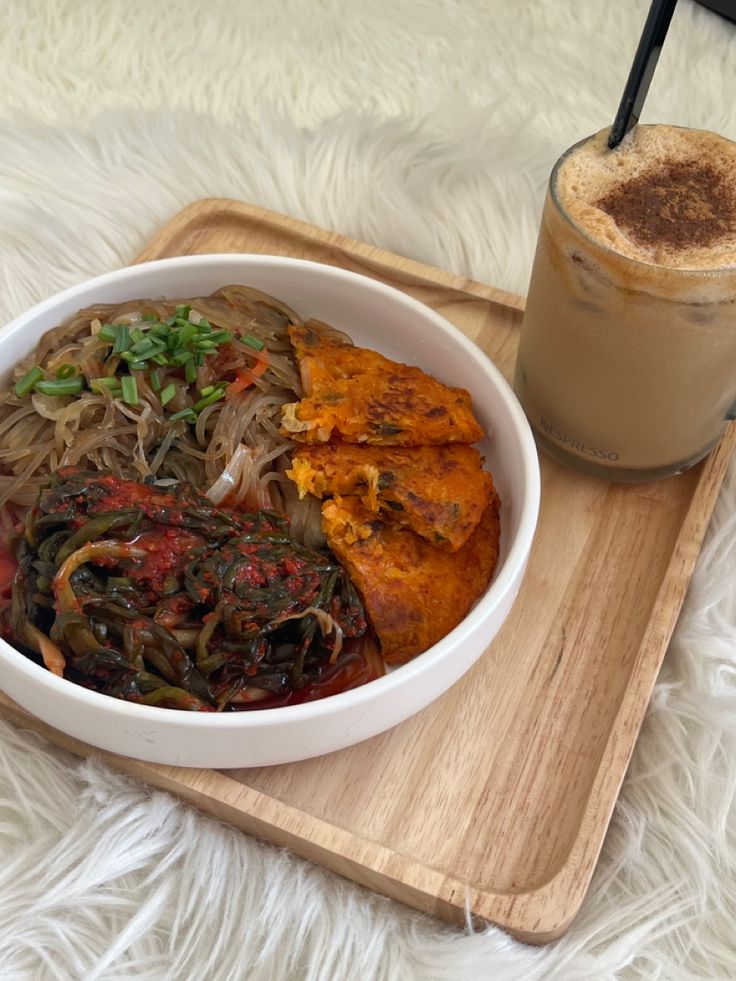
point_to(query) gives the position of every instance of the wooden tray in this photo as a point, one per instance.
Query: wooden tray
(499, 794)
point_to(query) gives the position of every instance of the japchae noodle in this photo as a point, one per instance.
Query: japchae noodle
(230, 448)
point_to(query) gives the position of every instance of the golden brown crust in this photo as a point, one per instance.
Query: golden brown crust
(359, 396)
(440, 492)
(414, 593)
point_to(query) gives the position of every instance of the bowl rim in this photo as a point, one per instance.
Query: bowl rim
(285, 715)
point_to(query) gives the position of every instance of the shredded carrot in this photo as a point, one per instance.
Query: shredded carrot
(245, 377)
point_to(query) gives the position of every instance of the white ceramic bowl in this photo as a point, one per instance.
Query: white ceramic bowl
(375, 316)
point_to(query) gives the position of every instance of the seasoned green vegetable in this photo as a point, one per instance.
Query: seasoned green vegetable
(155, 595)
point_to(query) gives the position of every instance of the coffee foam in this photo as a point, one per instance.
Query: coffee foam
(665, 196)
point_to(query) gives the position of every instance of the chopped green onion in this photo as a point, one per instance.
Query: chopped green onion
(149, 317)
(130, 390)
(122, 339)
(24, 385)
(189, 414)
(181, 357)
(62, 386)
(252, 342)
(148, 348)
(167, 394)
(209, 400)
(156, 381)
(105, 382)
(208, 390)
(187, 333)
(66, 371)
(221, 337)
(107, 333)
(177, 340)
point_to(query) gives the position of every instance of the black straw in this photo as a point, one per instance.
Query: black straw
(642, 69)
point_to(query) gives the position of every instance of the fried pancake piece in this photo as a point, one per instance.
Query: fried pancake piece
(440, 492)
(357, 395)
(413, 593)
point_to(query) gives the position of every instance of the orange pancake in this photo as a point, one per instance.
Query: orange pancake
(358, 396)
(413, 593)
(440, 492)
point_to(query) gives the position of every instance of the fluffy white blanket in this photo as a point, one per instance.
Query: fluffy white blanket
(428, 127)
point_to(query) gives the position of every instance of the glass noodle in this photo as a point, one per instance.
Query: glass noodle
(233, 450)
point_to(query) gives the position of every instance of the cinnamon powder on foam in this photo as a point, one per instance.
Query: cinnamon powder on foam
(666, 196)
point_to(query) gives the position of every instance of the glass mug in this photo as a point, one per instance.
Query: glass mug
(626, 365)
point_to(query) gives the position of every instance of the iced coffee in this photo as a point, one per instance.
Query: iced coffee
(627, 358)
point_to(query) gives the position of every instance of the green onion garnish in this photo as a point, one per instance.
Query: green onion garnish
(167, 394)
(252, 342)
(189, 414)
(62, 386)
(147, 349)
(122, 339)
(186, 334)
(129, 388)
(179, 341)
(25, 384)
(209, 400)
(107, 381)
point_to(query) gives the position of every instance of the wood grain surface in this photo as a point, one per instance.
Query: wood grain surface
(497, 796)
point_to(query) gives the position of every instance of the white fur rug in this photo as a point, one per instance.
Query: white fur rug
(428, 127)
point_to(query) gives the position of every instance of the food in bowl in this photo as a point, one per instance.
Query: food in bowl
(157, 596)
(171, 552)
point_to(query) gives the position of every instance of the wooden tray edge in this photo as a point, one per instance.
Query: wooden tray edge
(375, 259)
